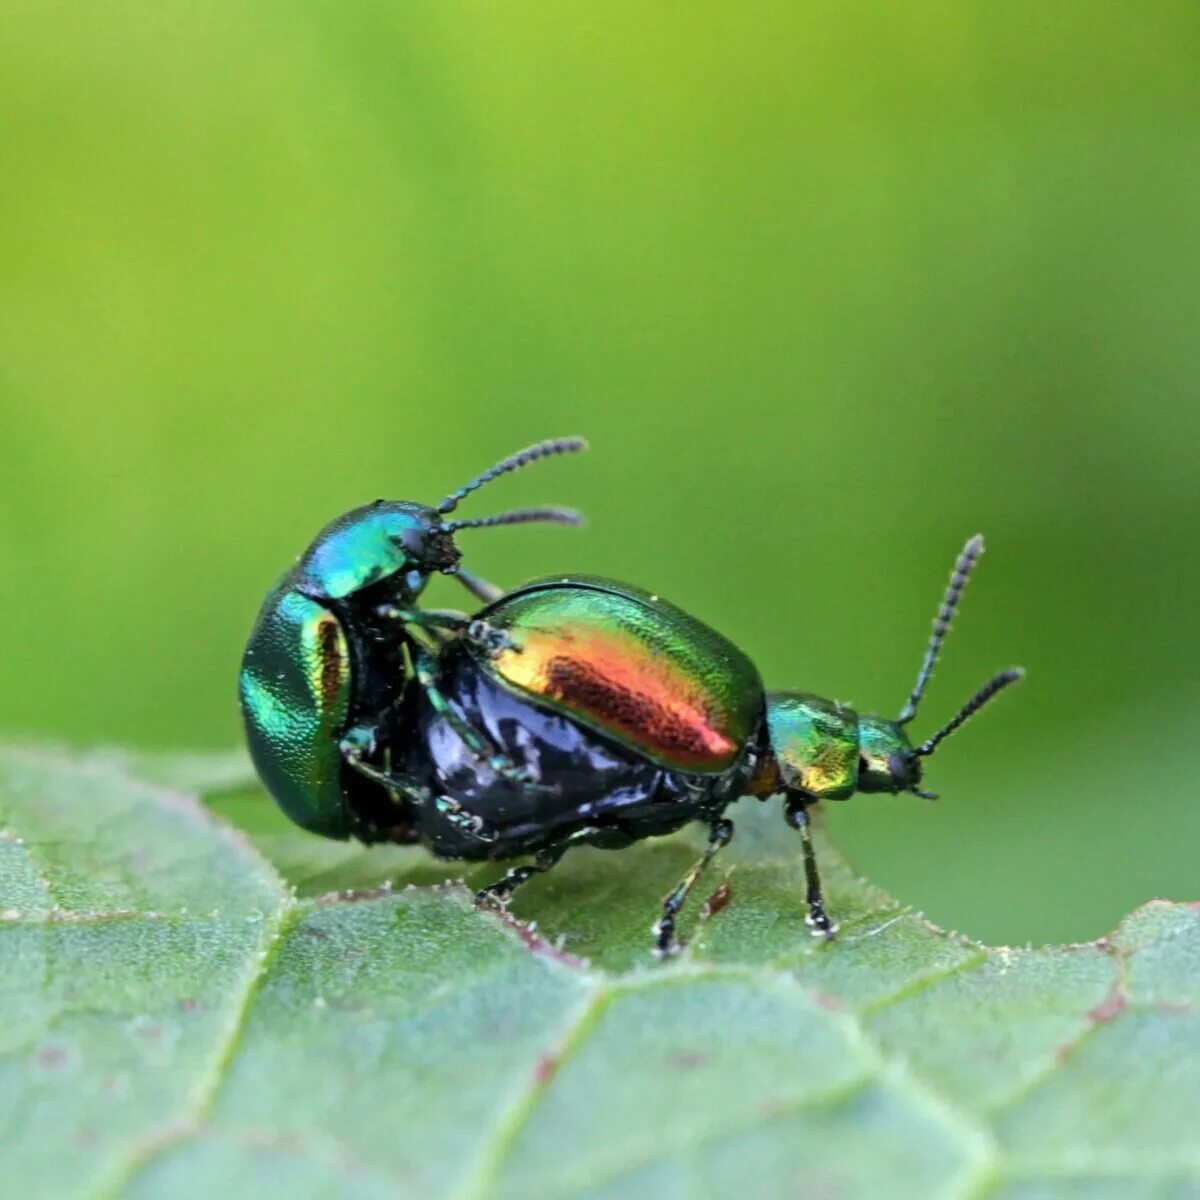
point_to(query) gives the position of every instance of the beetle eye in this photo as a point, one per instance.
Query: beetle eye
(897, 767)
(413, 542)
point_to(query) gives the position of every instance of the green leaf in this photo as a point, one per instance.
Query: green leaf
(189, 1010)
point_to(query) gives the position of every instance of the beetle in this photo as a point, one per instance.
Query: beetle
(635, 719)
(321, 666)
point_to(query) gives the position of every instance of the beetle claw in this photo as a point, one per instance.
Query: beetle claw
(473, 825)
(358, 743)
(493, 898)
(666, 944)
(819, 925)
(492, 641)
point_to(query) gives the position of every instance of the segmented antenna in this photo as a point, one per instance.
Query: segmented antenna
(514, 462)
(970, 555)
(520, 516)
(968, 710)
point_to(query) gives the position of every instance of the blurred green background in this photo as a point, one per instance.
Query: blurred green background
(828, 286)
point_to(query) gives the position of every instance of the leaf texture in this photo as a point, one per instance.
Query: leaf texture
(189, 1009)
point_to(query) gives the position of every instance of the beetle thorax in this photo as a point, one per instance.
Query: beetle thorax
(813, 747)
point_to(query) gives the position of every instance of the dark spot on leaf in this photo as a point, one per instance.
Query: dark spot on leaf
(53, 1057)
(1111, 1007)
(689, 1060)
(717, 901)
(826, 1000)
(547, 1066)
(190, 1004)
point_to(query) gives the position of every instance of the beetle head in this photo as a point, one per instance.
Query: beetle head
(400, 538)
(375, 542)
(886, 760)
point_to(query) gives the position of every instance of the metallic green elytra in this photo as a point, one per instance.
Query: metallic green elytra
(326, 656)
(295, 691)
(630, 665)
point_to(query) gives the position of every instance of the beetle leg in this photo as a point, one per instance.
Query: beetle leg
(475, 742)
(796, 814)
(500, 893)
(392, 781)
(479, 588)
(450, 621)
(436, 620)
(719, 834)
(446, 623)
(352, 748)
(488, 638)
(358, 741)
(465, 822)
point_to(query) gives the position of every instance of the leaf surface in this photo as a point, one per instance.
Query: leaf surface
(198, 1000)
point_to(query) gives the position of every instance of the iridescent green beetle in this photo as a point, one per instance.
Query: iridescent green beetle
(635, 718)
(326, 657)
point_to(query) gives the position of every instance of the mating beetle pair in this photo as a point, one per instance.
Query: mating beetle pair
(569, 711)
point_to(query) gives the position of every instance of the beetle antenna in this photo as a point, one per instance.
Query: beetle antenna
(514, 462)
(963, 567)
(520, 516)
(990, 689)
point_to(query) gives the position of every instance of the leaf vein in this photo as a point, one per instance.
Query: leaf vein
(517, 1113)
(204, 1098)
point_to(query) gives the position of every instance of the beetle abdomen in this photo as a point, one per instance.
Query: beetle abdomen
(295, 693)
(630, 666)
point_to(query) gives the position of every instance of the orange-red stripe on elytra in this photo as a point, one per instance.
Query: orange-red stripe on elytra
(610, 677)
